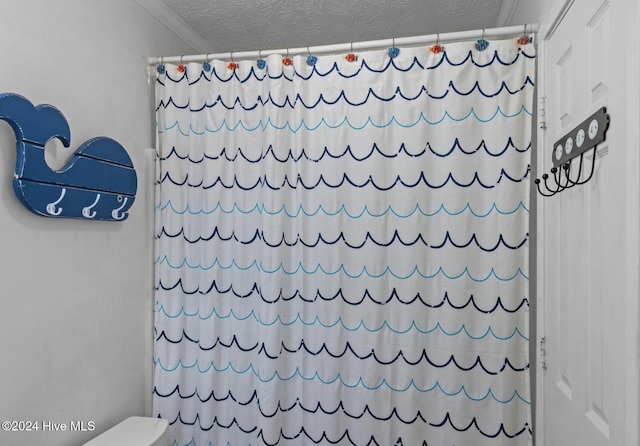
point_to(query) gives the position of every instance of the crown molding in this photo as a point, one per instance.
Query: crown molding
(171, 20)
(560, 12)
(507, 10)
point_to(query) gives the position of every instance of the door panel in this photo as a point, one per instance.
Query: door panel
(585, 233)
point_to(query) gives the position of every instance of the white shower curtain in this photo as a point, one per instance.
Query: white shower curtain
(342, 248)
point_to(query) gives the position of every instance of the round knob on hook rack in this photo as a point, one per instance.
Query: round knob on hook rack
(580, 138)
(568, 146)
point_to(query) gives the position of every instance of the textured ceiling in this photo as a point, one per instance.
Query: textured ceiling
(245, 25)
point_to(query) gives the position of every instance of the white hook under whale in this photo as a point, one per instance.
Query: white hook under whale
(86, 211)
(116, 212)
(51, 207)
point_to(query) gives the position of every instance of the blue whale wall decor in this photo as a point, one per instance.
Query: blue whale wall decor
(98, 183)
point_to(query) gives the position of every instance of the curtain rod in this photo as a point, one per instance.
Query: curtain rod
(354, 46)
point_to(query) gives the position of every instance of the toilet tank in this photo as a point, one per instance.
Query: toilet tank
(134, 431)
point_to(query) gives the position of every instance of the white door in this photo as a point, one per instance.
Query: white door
(588, 236)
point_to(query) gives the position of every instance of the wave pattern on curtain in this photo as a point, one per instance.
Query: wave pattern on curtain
(342, 249)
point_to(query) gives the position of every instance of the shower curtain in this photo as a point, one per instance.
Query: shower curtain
(341, 253)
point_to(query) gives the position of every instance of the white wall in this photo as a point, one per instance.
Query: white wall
(529, 12)
(75, 299)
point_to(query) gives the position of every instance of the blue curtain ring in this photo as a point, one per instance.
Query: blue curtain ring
(261, 63)
(482, 45)
(311, 60)
(393, 52)
(160, 69)
(206, 66)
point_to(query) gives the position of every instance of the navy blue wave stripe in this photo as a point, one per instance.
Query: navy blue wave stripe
(474, 239)
(261, 75)
(474, 423)
(393, 296)
(254, 399)
(375, 150)
(263, 181)
(338, 410)
(261, 348)
(214, 422)
(303, 435)
(291, 103)
(259, 236)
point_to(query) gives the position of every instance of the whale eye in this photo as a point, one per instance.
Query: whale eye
(119, 198)
(56, 155)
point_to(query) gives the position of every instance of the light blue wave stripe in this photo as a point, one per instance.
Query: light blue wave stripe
(369, 122)
(320, 209)
(341, 269)
(361, 325)
(338, 378)
(192, 442)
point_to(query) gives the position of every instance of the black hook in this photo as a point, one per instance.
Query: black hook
(557, 176)
(593, 168)
(537, 181)
(562, 176)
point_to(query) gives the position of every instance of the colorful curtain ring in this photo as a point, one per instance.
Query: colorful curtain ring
(525, 39)
(351, 57)
(261, 63)
(160, 68)
(286, 60)
(181, 67)
(232, 65)
(206, 66)
(437, 48)
(311, 60)
(482, 44)
(393, 51)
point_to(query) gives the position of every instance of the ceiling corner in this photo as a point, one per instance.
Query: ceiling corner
(182, 29)
(506, 13)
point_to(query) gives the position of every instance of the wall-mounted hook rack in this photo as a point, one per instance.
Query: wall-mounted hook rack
(586, 136)
(98, 183)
